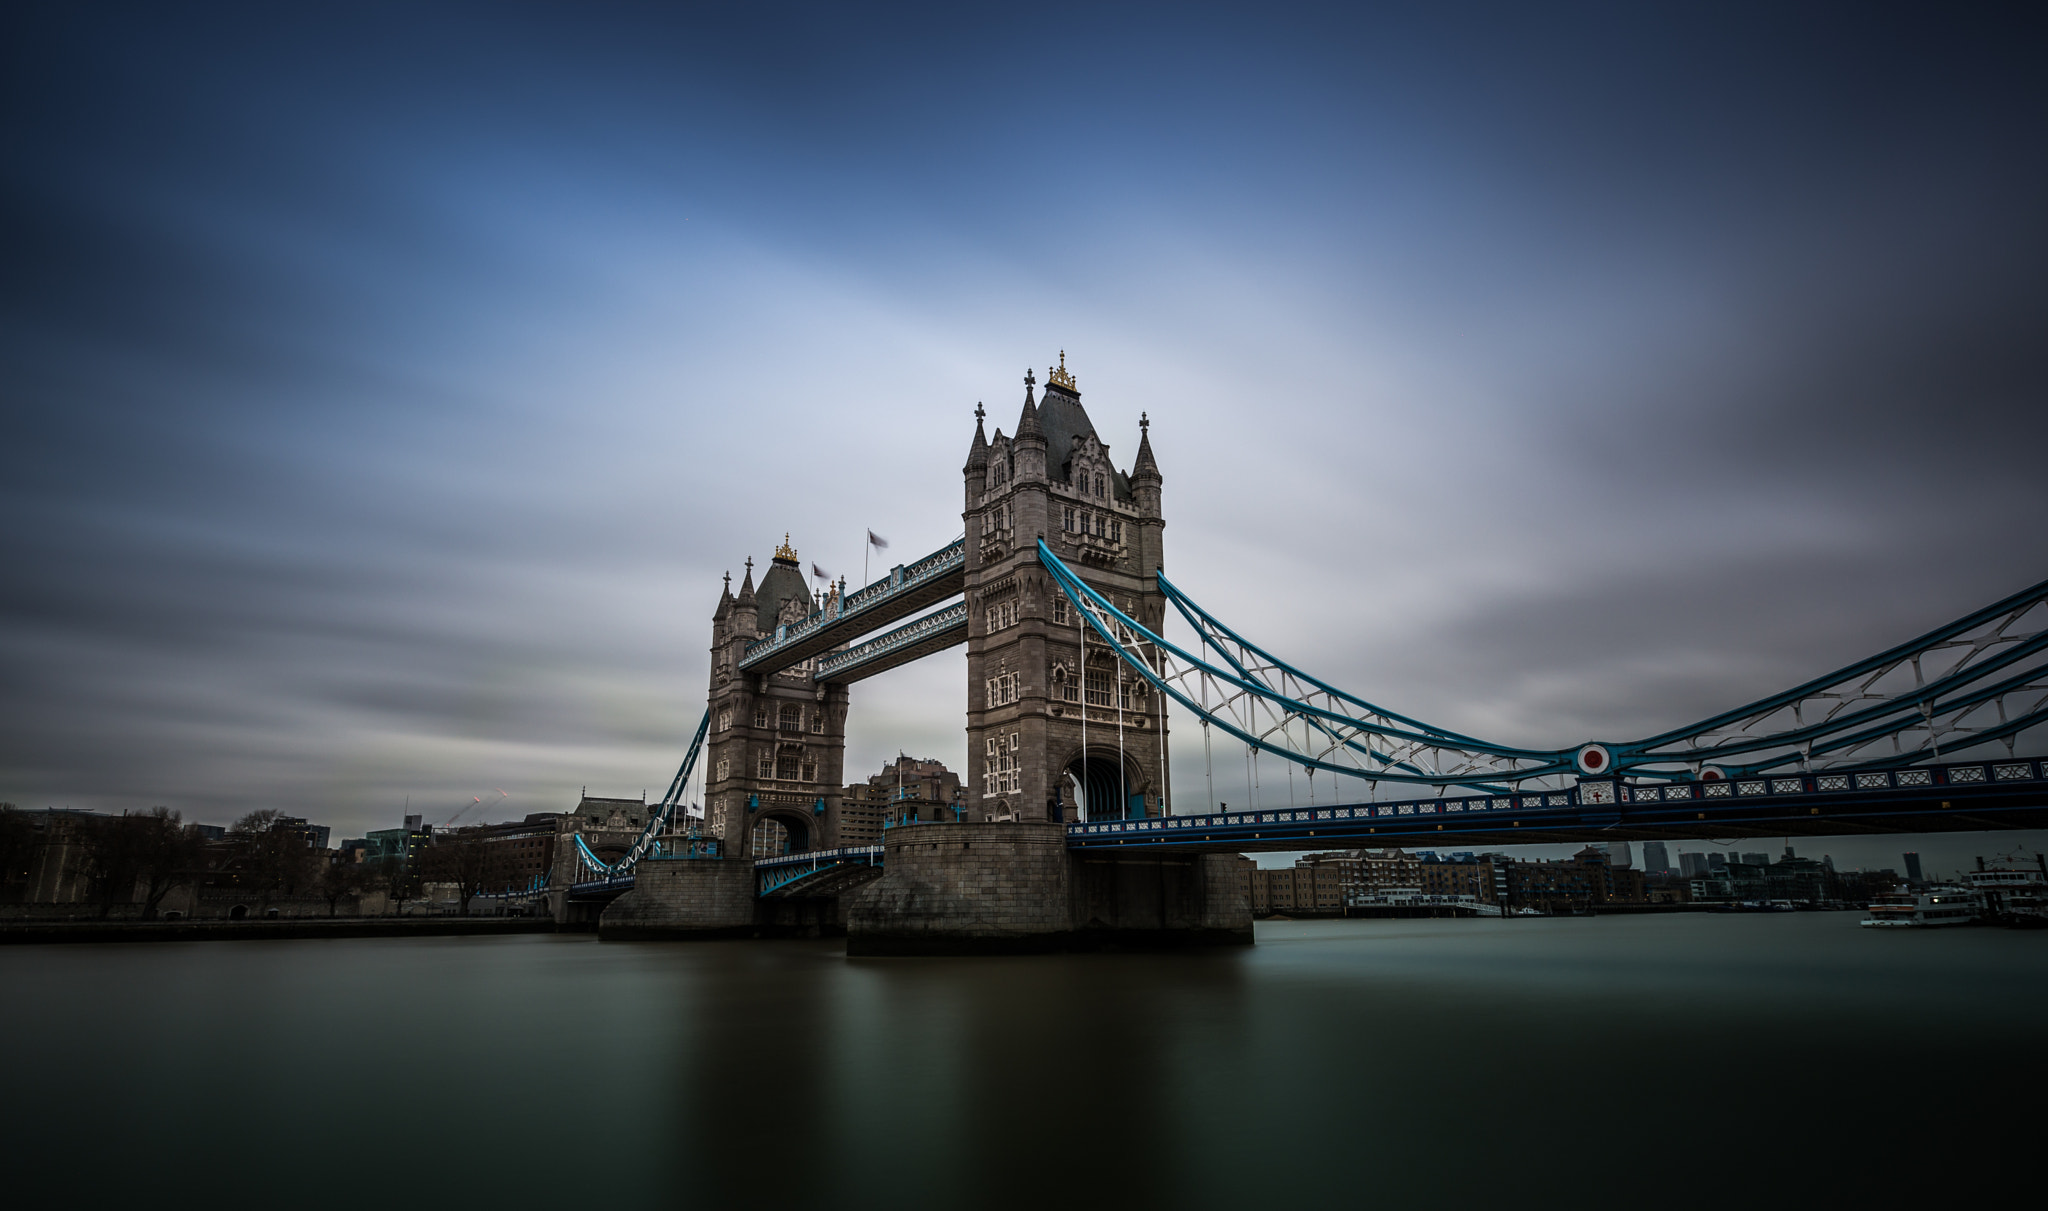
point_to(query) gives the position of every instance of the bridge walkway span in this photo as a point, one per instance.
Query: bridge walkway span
(1974, 797)
(907, 589)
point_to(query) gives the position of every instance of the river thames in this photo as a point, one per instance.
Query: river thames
(1691, 1060)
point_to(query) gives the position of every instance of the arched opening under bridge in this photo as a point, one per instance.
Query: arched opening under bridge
(774, 836)
(1104, 788)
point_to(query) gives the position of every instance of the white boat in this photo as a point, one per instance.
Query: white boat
(2012, 892)
(1935, 906)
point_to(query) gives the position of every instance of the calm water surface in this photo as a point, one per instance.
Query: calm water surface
(1691, 1061)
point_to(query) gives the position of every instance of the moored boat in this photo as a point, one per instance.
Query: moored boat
(2013, 891)
(1931, 907)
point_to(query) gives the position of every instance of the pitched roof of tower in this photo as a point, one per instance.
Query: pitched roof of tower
(785, 579)
(1064, 420)
(724, 601)
(746, 596)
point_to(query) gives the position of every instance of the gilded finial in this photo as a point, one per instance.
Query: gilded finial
(1060, 377)
(785, 551)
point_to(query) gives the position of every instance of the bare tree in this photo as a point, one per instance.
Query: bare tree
(399, 880)
(340, 879)
(167, 852)
(106, 859)
(152, 850)
(275, 862)
(472, 863)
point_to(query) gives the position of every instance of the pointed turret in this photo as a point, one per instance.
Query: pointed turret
(724, 610)
(977, 454)
(1145, 479)
(1028, 428)
(746, 615)
(1027, 456)
(1145, 466)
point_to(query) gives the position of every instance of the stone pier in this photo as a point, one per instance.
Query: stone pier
(684, 898)
(1013, 888)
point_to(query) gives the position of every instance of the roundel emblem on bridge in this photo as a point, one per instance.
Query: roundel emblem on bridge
(1594, 759)
(1713, 773)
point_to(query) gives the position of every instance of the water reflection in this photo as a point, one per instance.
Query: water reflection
(1346, 1061)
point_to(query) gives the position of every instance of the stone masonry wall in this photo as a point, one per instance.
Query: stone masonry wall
(684, 898)
(960, 888)
(1169, 900)
(1014, 887)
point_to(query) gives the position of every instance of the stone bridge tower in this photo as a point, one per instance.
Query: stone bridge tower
(773, 759)
(1051, 735)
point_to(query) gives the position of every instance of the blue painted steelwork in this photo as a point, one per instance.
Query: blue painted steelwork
(657, 822)
(874, 600)
(651, 844)
(1981, 679)
(1338, 732)
(945, 626)
(774, 874)
(601, 888)
(1970, 797)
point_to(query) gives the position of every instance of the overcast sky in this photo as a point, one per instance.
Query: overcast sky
(387, 388)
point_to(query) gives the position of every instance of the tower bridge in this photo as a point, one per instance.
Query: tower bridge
(1072, 833)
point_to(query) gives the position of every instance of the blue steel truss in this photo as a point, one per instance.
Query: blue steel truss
(903, 583)
(939, 629)
(775, 874)
(1981, 679)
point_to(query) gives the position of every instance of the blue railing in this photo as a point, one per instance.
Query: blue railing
(1851, 789)
(930, 626)
(683, 848)
(778, 872)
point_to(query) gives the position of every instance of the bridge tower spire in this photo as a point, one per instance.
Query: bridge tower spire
(1027, 758)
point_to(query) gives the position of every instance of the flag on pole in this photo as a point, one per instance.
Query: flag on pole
(818, 573)
(878, 542)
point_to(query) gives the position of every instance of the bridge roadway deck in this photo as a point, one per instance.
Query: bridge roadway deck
(1976, 797)
(907, 589)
